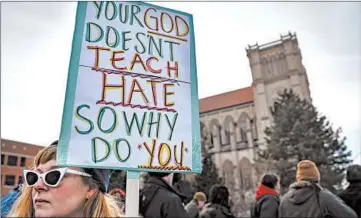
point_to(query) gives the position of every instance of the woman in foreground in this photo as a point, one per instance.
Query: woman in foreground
(52, 191)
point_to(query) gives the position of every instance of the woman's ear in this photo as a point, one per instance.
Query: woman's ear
(91, 192)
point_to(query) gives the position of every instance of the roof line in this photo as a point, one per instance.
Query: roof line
(225, 92)
(224, 108)
(21, 142)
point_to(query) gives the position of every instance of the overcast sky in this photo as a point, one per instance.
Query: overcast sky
(36, 44)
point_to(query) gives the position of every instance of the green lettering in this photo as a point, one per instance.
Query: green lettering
(140, 41)
(158, 48)
(125, 39)
(134, 13)
(95, 150)
(140, 126)
(151, 123)
(98, 8)
(116, 34)
(114, 10)
(116, 150)
(88, 32)
(126, 12)
(77, 115)
(100, 119)
(171, 126)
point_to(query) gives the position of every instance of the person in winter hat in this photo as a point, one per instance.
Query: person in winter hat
(352, 194)
(158, 199)
(196, 204)
(267, 197)
(218, 206)
(306, 198)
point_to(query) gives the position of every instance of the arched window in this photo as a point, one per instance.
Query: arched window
(227, 138)
(253, 123)
(228, 172)
(246, 174)
(242, 127)
(214, 133)
(228, 130)
(243, 134)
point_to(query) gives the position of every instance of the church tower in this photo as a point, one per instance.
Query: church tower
(275, 66)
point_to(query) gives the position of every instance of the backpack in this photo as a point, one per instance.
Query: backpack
(146, 196)
(255, 206)
(325, 213)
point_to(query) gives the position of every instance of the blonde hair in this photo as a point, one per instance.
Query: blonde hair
(99, 205)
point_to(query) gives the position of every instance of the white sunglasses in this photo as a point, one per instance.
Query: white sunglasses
(51, 178)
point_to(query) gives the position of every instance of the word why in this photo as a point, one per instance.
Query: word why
(135, 123)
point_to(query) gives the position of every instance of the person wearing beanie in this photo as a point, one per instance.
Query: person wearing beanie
(306, 197)
(267, 197)
(352, 194)
(158, 199)
(196, 204)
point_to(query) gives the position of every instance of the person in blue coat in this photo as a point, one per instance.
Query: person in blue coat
(8, 200)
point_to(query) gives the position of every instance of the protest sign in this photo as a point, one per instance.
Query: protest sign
(131, 98)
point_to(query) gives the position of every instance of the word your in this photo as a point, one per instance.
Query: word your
(149, 18)
(134, 124)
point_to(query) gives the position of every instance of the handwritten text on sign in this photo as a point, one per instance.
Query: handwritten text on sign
(132, 104)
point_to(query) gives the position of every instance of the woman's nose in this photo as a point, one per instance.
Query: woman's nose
(40, 185)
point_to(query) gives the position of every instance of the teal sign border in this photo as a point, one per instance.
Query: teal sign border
(65, 133)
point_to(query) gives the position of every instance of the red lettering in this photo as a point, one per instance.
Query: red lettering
(97, 51)
(166, 93)
(154, 90)
(150, 67)
(175, 68)
(114, 59)
(107, 86)
(137, 59)
(139, 89)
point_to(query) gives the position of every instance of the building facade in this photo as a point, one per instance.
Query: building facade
(235, 121)
(15, 157)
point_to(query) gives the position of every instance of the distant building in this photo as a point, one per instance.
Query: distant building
(15, 157)
(235, 121)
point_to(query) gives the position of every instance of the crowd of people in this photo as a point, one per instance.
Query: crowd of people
(51, 191)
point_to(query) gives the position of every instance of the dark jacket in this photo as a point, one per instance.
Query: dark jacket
(192, 209)
(158, 200)
(352, 197)
(215, 211)
(305, 199)
(266, 204)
